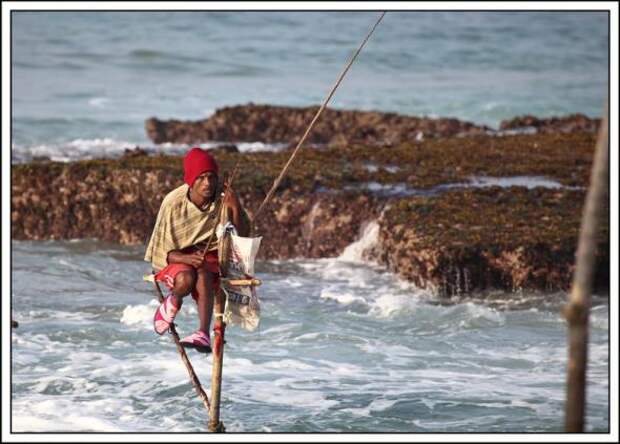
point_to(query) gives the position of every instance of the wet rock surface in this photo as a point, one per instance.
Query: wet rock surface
(474, 240)
(455, 241)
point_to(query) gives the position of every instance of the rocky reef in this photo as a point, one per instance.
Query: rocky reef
(475, 240)
(280, 124)
(569, 124)
(456, 215)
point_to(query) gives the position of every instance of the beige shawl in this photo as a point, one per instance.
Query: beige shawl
(180, 224)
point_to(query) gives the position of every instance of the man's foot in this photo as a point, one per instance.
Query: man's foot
(165, 314)
(198, 340)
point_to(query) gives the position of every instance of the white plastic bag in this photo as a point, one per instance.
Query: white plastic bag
(242, 304)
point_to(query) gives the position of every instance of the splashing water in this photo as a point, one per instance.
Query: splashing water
(342, 346)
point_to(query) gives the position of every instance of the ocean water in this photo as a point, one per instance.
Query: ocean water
(342, 347)
(403, 189)
(85, 82)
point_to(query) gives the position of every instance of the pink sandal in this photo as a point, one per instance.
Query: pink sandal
(198, 340)
(165, 314)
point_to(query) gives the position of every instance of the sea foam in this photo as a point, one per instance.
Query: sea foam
(141, 315)
(368, 239)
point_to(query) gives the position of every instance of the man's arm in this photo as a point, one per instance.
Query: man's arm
(238, 216)
(241, 222)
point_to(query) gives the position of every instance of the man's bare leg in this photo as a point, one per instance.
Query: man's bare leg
(184, 283)
(204, 288)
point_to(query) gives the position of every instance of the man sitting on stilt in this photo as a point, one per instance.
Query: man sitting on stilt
(178, 249)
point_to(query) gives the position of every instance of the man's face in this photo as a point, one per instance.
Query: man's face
(205, 185)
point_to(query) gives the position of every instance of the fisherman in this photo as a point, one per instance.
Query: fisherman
(178, 249)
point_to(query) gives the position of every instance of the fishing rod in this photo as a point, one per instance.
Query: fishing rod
(276, 182)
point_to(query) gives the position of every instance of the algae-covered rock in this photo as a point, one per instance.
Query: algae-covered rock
(442, 225)
(475, 240)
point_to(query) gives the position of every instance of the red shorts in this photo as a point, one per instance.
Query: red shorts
(211, 264)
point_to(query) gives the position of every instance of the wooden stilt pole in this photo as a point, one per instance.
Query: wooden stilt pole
(219, 326)
(578, 307)
(188, 365)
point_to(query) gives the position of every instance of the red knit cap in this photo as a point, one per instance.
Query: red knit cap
(196, 162)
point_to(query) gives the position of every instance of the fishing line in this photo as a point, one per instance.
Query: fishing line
(276, 183)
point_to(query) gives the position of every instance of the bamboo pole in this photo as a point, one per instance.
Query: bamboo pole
(578, 307)
(219, 326)
(243, 282)
(188, 365)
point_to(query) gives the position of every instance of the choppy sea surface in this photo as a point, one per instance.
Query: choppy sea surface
(83, 83)
(342, 347)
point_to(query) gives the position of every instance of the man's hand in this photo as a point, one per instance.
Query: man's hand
(237, 216)
(231, 201)
(194, 259)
